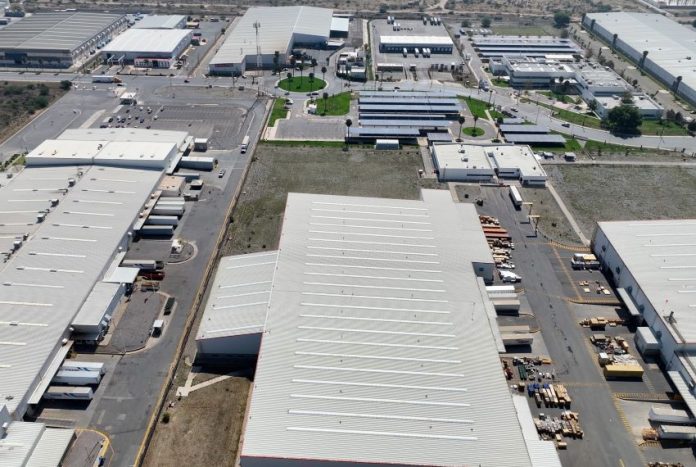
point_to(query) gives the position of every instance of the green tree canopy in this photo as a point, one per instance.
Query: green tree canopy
(624, 119)
(561, 19)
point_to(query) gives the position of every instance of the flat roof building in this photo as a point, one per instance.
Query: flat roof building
(670, 46)
(149, 48)
(235, 311)
(396, 43)
(480, 162)
(57, 39)
(161, 22)
(651, 264)
(282, 28)
(376, 309)
(489, 47)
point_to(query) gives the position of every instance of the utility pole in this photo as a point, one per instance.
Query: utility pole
(259, 64)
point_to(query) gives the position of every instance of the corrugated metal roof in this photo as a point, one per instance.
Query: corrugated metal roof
(377, 348)
(514, 128)
(431, 94)
(416, 40)
(424, 108)
(279, 25)
(160, 22)
(671, 46)
(413, 123)
(19, 441)
(238, 299)
(385, 131)
(524, 138)
(96, 305)
(49, 277)
(55, 31)
(423, 100)
(659, 255)
(51, 447)
(163, 41)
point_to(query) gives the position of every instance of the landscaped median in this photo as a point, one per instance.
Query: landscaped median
(478, 108)
(647, 127)
(278, 112)
(338, 104)
(301, 84)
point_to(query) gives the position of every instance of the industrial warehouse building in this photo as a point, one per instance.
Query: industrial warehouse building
(651, 264)
(490, 47)
(657, 44)
(235, 312)
(161, 22)
(148, 48)
(366, 353)
(57, 40)
(481, 162)
(69, 218)
(281, 29)
(397, 43)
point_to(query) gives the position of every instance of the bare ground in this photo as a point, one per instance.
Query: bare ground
(278, 170)
(602, 193)
(204, 428)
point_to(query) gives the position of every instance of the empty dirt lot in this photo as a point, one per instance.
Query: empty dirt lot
(603, 193)
(279, 169)
(203, 428)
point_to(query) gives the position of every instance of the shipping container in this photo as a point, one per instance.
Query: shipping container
(77, 378)
(69, 393)
(620, 370)
(143, 264)
(74, 365)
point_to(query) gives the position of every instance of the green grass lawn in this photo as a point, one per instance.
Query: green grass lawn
(514, 30)
(566, 99)
(573, 117)
(653, 127)
(338, 104)
(502, 83)
(301, 84)
(278, 111)
(473, 131)
(478, 108)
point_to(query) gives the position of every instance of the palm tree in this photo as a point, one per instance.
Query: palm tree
(292, 64)
(289, 77)
(301, 68)
(461, 121)
(473, 132)
(323, 73)
(642, 60)
(311, 82)
(314, 64)
(325, 96)
(349, 123)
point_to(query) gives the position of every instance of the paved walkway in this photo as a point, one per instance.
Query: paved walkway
(568, 215)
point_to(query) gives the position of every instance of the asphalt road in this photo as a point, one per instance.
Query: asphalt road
(124, 410)
(606, 441)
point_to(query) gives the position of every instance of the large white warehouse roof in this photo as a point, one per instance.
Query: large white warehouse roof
(46, 280)
(279, 27)
(660, 257)
(164, 41)
(669, 44)
(239, 296)
(377, 347)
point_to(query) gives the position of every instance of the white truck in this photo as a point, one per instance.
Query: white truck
(73, 365)
(509, 277)
(584, 261)
(245, 144)
(69, 393)
(77, 378)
